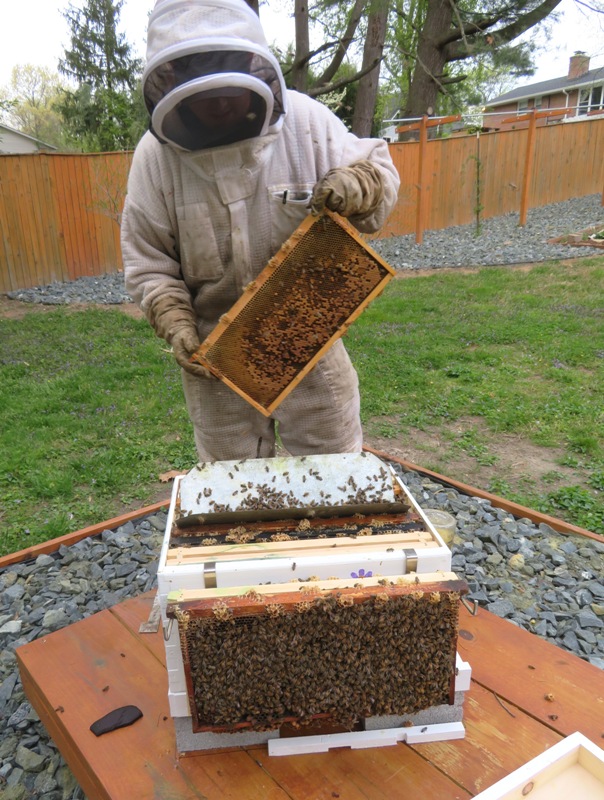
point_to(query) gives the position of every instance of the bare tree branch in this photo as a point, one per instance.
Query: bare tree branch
(590, 7)
(459, 21)
(320, 89)
(346, 39)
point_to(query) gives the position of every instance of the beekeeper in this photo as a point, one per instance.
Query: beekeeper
(228, 170)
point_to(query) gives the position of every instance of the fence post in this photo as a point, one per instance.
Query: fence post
(528, 167)
(420, 223)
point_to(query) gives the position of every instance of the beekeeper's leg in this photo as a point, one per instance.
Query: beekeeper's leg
(322, 414)
(226, 427)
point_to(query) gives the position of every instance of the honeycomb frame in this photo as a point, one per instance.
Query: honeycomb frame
(300, 655)
(302, 302)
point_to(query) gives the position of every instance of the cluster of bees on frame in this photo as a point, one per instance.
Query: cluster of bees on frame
(288, 319)
(326, 657)
(240, 534)
(250, 496)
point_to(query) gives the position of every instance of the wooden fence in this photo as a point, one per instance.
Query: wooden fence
(466, 179)
(59, 214)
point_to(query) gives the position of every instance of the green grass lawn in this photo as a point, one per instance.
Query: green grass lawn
(92, 409)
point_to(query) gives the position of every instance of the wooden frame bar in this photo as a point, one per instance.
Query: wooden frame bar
(243, 601)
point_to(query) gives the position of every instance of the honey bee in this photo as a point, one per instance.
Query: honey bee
(274, 609)
(252, 594)
(222, 612)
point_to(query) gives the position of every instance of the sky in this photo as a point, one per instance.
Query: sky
(35, 32)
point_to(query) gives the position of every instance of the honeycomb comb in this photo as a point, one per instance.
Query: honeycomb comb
(302, 652)
(305, 298)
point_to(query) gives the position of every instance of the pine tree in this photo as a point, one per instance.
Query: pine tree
(104, 112)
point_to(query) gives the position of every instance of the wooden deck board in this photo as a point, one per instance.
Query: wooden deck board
(525, 670)
(75, 675)
(496, 742)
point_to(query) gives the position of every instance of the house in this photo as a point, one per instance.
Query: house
(578, 94)
(14, 142)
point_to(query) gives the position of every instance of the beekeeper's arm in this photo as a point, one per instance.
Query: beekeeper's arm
(360, 181)
(151, 265)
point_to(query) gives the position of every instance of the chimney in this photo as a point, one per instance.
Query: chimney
(579, 65)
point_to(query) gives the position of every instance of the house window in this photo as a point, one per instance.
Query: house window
(591, 99)
(522, 106)
(538, 102)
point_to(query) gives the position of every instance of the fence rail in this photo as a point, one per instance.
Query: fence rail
(59, 213)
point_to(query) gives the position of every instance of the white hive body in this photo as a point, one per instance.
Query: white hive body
(292, 573)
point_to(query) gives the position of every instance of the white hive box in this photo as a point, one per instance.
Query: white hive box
(572, 768)
(261, 525)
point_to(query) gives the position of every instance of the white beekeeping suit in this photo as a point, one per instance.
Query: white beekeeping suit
(228, 170)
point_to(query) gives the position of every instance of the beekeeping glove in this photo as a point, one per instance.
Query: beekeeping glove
(173, 319)
(354, 191)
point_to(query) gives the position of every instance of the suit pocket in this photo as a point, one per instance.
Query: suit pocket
(199, 254)
(289, 206)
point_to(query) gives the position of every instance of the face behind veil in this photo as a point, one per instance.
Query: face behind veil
(211, 79)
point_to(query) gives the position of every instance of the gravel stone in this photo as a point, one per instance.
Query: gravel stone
(28, 760)
(13, 793)
(503, 608)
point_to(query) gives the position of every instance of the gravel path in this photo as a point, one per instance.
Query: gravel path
(502, 241)
(545, 582)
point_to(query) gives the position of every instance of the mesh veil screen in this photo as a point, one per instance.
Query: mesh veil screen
(300, 304)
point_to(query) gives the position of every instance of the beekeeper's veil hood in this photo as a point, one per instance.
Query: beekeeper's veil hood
(210, 52)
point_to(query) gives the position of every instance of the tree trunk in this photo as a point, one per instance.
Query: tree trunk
(300, 65)
(364, 110)
(431, 60)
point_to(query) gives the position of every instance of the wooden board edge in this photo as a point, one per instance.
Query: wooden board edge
(52, 545)
(66, 744)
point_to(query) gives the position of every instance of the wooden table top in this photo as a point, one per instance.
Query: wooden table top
(526, 694)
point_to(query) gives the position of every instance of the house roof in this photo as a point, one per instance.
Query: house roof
(552, 86)
(45, 145)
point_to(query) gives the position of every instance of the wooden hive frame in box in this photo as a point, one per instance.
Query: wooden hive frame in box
(333, 650)
(346, 574)
(301, 303)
